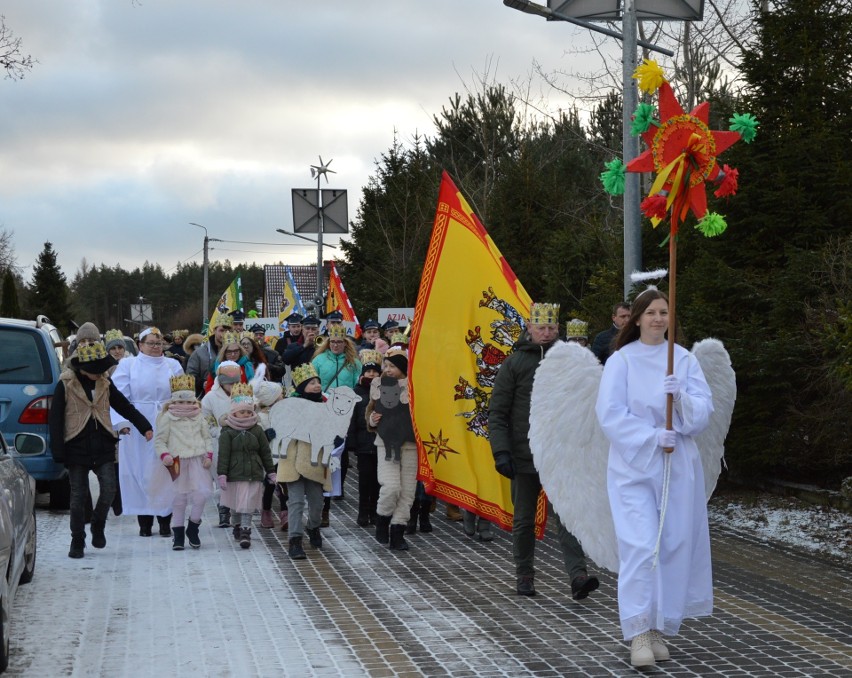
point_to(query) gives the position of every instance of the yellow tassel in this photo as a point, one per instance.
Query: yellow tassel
(650, 76)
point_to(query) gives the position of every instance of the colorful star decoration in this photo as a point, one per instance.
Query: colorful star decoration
(682, 151)
(438, 446)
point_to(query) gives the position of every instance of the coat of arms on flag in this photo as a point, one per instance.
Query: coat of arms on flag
(470, 311)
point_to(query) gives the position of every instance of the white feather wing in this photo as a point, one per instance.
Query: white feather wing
(716, 365)
(570, 450)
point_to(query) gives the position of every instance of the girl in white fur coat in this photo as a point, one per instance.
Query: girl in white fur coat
(185, 447)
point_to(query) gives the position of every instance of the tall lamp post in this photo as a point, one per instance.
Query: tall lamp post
(629, 41)
(207, 241)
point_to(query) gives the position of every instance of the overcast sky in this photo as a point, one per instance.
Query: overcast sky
(142, 117)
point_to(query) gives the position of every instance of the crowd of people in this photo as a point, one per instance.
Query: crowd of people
(190, 418)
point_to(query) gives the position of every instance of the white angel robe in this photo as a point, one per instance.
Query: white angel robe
(631, 407)
(146, 486)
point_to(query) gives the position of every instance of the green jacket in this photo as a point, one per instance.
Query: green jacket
(509, 407)
(244, 455)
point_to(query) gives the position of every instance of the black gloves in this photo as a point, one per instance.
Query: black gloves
(504, 465)
(270, 433)
(338, 441)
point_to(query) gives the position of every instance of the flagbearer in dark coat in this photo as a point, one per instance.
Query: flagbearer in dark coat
(299, 354)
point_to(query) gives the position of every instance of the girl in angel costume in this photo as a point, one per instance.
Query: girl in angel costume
(650, 505)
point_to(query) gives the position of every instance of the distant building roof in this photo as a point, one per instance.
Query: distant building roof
(305, 278)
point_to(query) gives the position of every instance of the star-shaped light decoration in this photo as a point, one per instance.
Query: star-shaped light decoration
(682, 151)
(438, 446)
(322, 170)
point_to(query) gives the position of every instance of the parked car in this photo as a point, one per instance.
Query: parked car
(17, 529)
(30, 364)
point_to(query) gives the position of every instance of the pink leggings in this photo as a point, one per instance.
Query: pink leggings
(195, 499)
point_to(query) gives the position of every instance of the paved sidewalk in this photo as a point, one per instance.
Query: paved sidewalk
(447, 607)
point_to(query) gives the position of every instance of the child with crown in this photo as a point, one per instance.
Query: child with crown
(244, 461)
(83, 439)
(185, 447)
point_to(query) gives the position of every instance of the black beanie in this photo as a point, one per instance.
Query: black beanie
(400, 361)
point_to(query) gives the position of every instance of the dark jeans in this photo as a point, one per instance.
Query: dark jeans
(270, 489)
(525, 489)
(368, 483)
(79, 477)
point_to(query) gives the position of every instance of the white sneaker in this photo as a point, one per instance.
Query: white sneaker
(658, 647)
(641, 653)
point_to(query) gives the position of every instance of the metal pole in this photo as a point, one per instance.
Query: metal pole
(319, 240)
(632, 219)
(205, 300)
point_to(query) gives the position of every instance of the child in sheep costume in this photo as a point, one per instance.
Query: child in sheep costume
(185, 447)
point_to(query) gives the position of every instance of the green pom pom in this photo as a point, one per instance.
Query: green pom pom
(712, 224)
(613, 178)
(746, 125)
(643, 118)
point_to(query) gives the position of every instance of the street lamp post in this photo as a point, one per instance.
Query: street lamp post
(204, 317)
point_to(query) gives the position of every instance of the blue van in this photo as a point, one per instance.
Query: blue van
(30, 362)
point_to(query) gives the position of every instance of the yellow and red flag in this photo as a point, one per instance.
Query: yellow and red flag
(471, 308)
(338, 300)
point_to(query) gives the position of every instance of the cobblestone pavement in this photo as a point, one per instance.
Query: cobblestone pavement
(447, 607)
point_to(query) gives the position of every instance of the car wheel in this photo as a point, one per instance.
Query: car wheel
(30, 555)
(60, 494)
(4, 636)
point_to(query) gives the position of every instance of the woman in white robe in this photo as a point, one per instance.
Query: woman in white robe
(664, 574)
(146, 486)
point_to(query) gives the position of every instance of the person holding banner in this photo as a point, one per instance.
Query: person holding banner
(508, 431)
(300, 353)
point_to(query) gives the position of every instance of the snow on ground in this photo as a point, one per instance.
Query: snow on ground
(817, 529)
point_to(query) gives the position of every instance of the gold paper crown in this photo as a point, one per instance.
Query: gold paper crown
(183, 334)
(544, 314)
(92, 352)
(399, 338)
(303, 373)
(576, 329)
(182, 382)
(336, 332)
(370, 356)
(231, 338)
(112, 335)
(241, 391)
(246, 335)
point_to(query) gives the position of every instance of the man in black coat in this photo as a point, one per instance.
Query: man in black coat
(299, 354)
(602, 345)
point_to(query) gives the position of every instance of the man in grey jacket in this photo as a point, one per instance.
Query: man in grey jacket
(508, 433)
(202, 359)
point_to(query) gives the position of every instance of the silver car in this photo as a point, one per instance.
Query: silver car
(17, 528)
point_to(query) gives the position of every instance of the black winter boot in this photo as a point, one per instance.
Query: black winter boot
(77, 546)
(192, 534)
(383, 529)
(363, 518)
(98, 536)
(397, 538)
(245, 537)
(165, 523)
(425, 510)
(177, 538)
(145, 525)
(314, 537)
(237, 532)
(224, 516)
(296, 552)
(411, 525)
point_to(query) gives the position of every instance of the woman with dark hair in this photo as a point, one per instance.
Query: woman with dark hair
(256, 357)
(657, 497)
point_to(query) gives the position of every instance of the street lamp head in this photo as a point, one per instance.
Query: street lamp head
(528, 7)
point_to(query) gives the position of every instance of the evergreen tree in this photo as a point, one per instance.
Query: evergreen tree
(9, 307)
(49, 290)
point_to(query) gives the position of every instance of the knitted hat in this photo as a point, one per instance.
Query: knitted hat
(242, 398)
(93, 358)
(267, 392)
(88, 332)
(399, 359)
(113, 338)
(228, 372)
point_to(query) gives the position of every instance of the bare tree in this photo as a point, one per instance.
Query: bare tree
(12, 59)
(8, 261)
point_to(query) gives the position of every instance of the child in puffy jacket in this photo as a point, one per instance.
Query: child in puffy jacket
(245, 460)
(185, 447)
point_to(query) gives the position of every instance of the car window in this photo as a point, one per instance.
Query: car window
(24, 358)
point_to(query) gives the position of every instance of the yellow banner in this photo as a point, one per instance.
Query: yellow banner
(230, 301)
(470, 310)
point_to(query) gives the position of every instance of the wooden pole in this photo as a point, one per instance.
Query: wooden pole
(672, 325)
